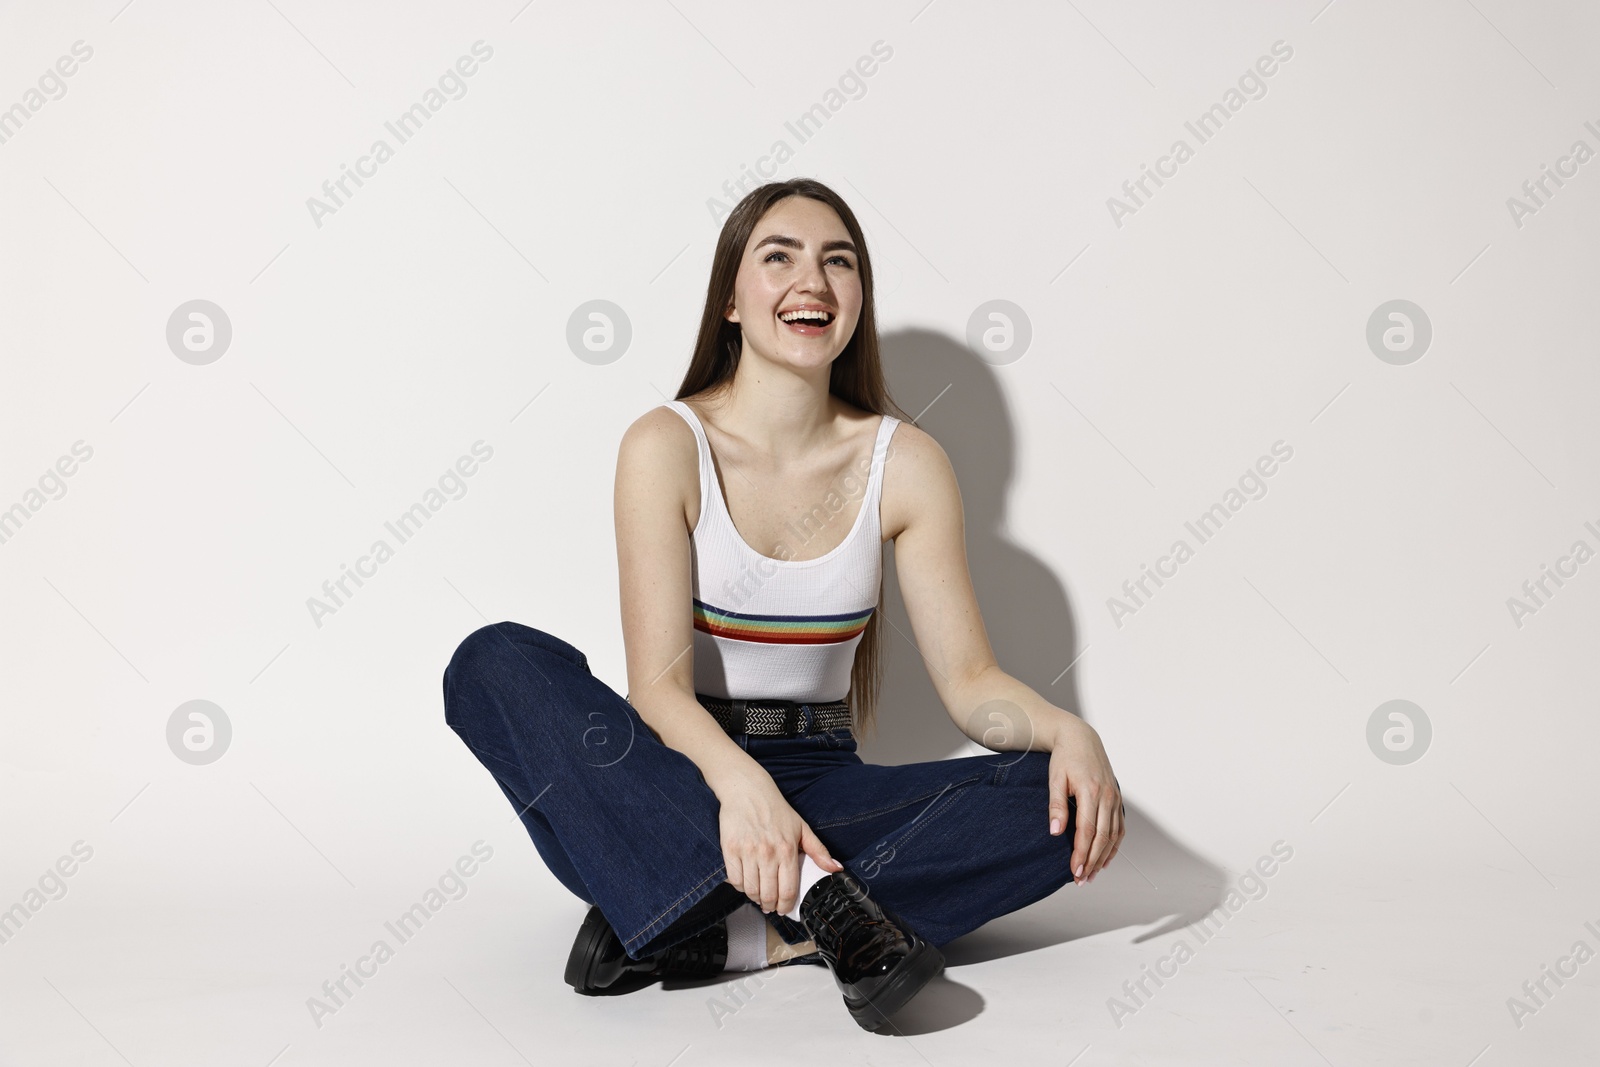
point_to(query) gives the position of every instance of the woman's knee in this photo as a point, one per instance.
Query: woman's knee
(493, 651)
(1028, 774)
(1022, 770)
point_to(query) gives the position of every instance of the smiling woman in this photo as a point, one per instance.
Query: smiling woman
(737, 828)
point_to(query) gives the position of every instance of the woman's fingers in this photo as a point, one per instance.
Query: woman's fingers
(1111, 836)
(1058, 803)
(1119, 827)
(1102, 833)
(1083, 840)
(788, 880)
(812, 846)
(769, 885)
(1061, 787)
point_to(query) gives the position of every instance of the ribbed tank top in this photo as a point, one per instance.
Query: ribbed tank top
(767, 628)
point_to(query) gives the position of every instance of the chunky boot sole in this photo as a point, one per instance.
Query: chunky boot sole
(906, 981)
(585, 951)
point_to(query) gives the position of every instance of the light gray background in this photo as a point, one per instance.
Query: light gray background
(1167, 354)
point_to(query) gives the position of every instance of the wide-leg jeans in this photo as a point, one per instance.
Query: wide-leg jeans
(628, 823)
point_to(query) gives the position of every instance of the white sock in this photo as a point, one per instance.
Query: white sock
(747, 938)
(810, 874)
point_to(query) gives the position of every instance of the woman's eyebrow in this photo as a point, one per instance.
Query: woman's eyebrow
(791, 242)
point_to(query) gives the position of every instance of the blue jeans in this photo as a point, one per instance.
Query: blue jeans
(628, 823)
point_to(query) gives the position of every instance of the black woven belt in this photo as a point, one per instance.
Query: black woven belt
(775, 718)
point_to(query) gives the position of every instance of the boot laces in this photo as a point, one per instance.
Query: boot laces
(842, 909)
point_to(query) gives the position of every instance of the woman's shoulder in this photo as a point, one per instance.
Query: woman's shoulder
(658, 459)
(918, 480)
(660, 439)
(914, 454)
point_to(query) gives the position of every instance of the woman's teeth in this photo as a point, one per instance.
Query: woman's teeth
(808, 322)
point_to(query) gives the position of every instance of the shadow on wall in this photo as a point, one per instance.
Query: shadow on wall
(1034, 634)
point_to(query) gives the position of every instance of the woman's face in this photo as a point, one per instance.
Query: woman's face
(799, 256)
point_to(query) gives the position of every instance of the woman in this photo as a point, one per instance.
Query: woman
(719, 817)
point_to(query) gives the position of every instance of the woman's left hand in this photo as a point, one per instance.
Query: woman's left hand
(1079, 769)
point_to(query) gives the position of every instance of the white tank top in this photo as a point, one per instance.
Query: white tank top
(768, 628)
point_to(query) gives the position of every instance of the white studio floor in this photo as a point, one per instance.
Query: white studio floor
(1394, 957)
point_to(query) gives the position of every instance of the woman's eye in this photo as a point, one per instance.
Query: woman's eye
(842, 260)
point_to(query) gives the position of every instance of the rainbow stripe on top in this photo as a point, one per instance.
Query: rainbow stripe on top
(780, 629)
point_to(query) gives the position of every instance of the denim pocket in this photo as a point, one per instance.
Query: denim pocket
(923, 798)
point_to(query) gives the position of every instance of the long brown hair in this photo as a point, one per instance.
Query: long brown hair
(856, 376)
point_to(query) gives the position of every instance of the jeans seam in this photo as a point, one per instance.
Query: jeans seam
(955, 793)
(1005, 769)
(650, 928)
(925, 819)
(883, 811)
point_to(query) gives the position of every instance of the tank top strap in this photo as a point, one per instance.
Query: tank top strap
(708, 470)
(880, 456)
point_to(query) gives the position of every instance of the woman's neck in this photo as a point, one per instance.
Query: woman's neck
(782, 415)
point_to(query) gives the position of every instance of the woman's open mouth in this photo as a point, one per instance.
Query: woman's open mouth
(808, 323)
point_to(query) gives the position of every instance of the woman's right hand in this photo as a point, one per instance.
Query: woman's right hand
(762, 842)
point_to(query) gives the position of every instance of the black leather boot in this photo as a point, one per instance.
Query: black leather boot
(878, 962)
(597, 964)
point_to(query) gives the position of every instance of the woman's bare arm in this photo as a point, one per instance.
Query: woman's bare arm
(930, 558)
(656, 473)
